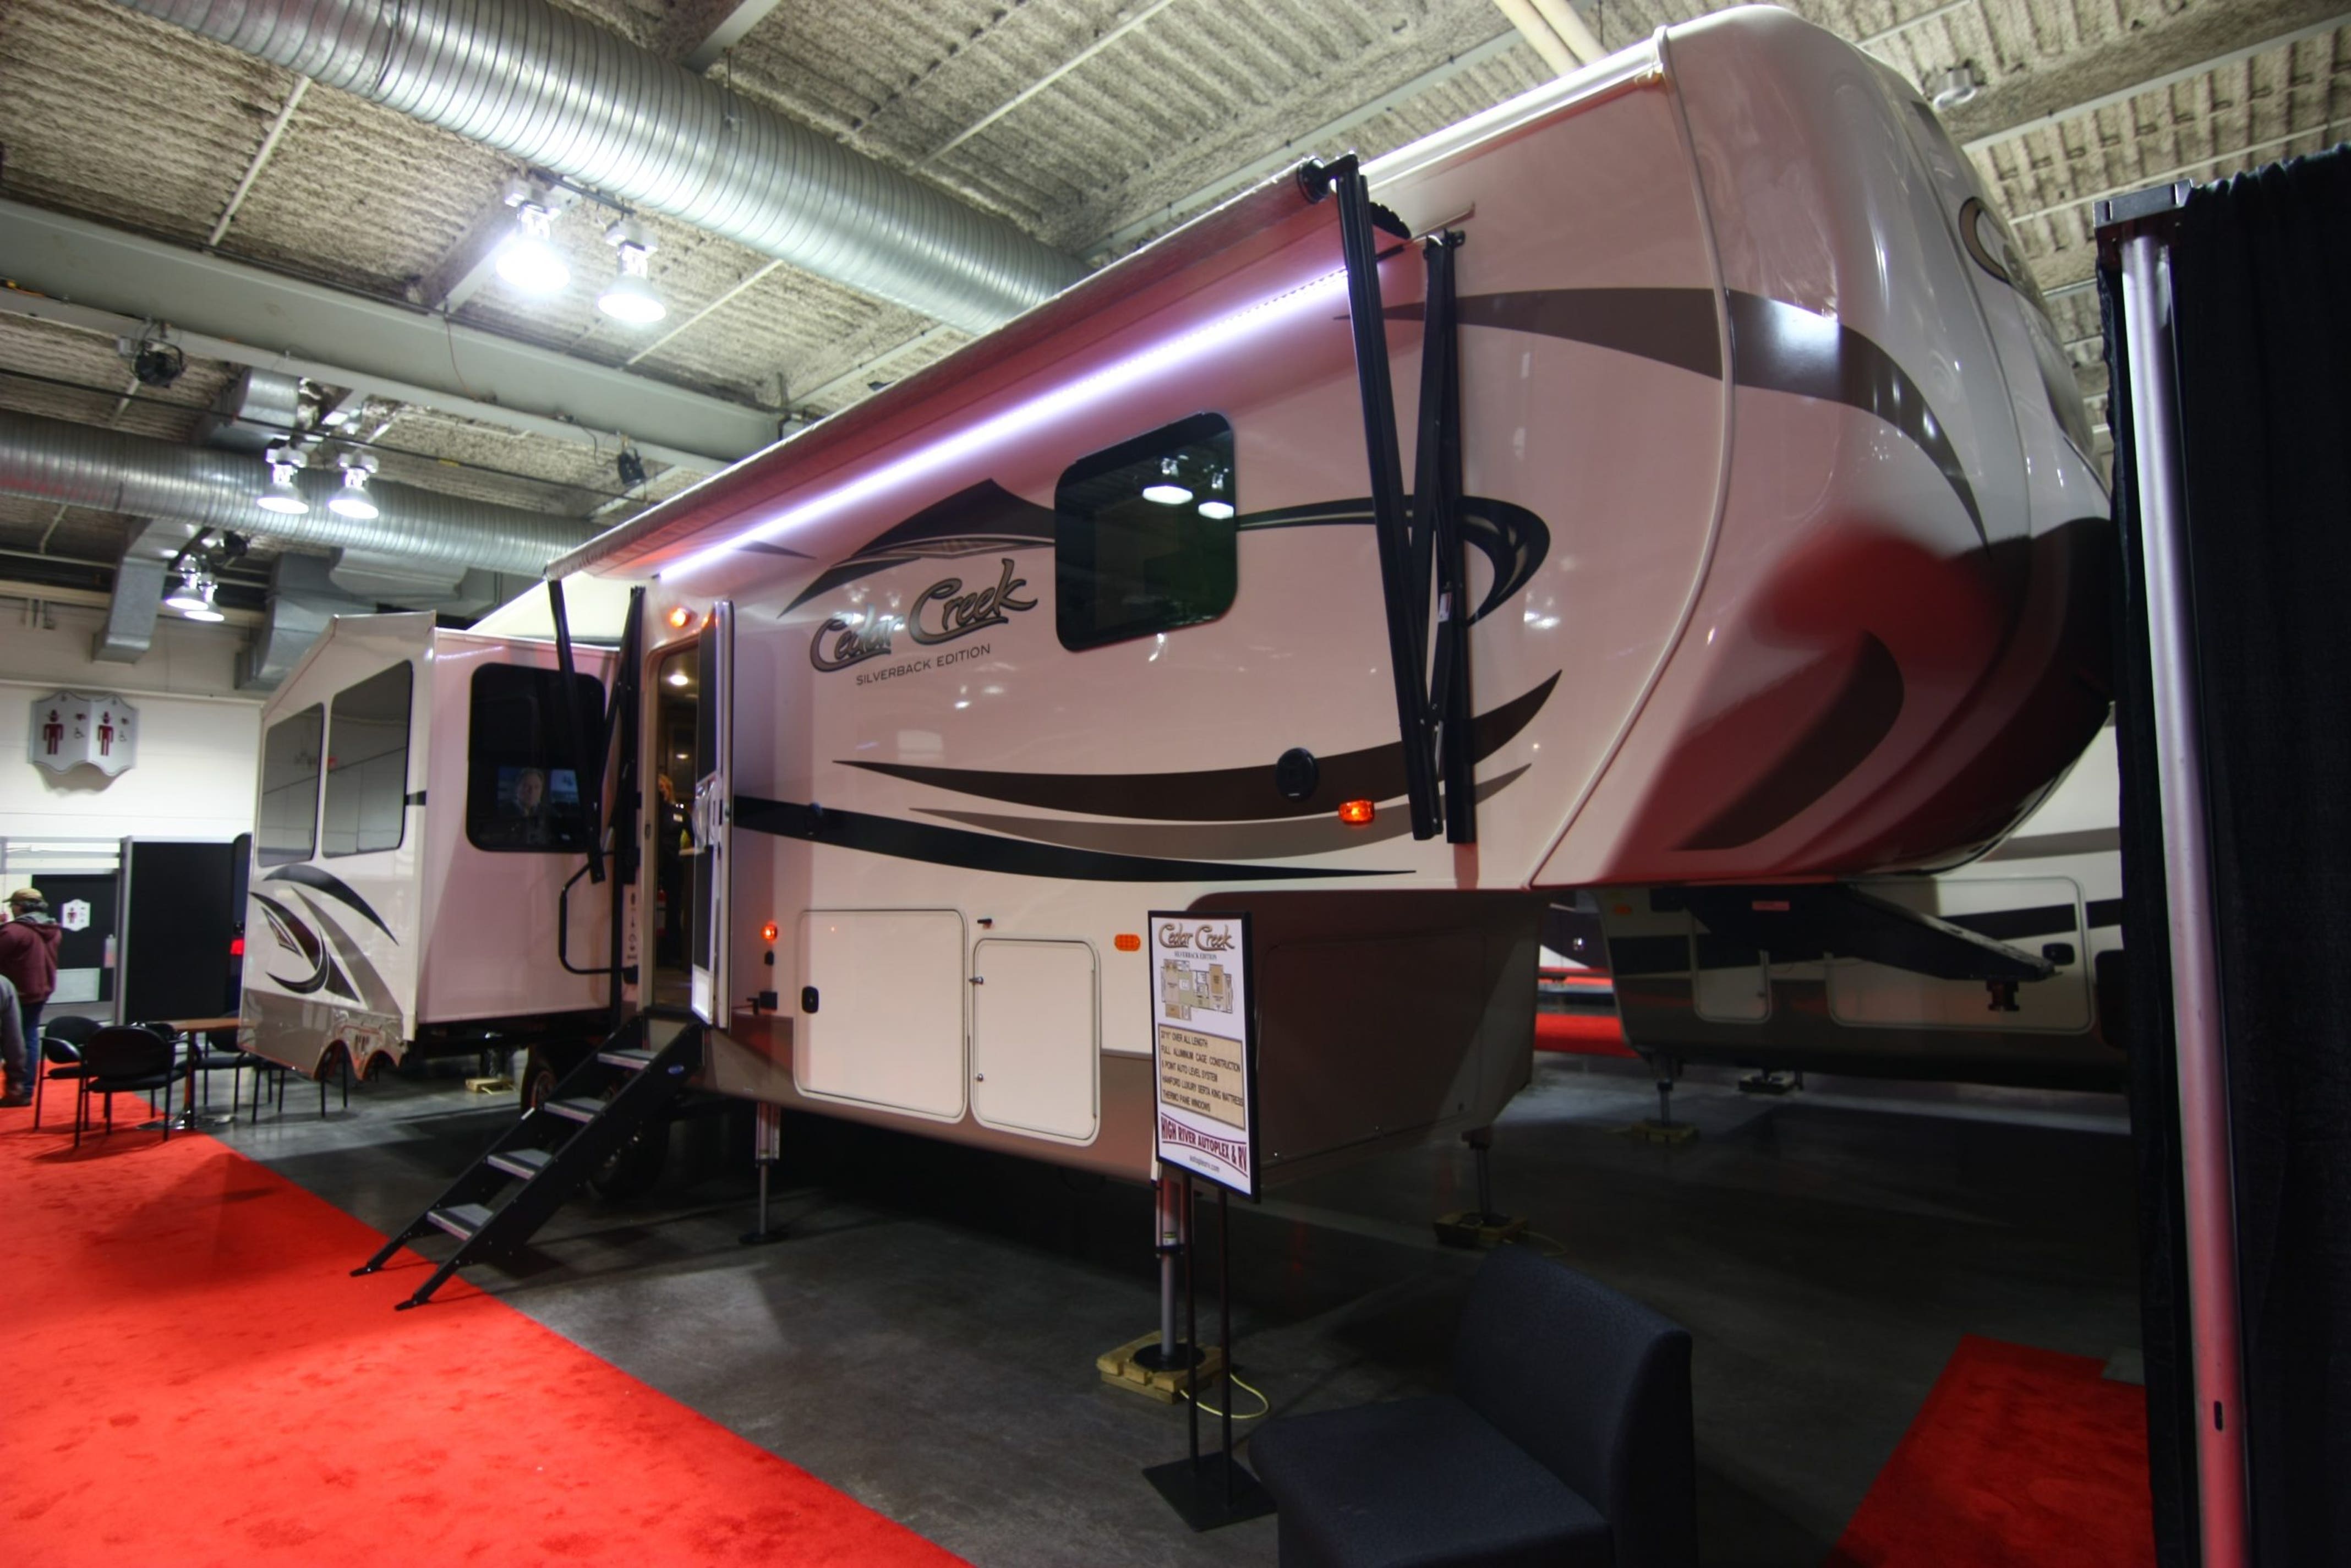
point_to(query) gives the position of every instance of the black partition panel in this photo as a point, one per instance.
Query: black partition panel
(175, 925)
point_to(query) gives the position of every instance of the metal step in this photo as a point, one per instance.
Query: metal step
(575, 1110)
(523, 1163)
(635, 1058)
(460, 1221)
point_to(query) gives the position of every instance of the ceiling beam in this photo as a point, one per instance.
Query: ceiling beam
(2197, 43)
(729, 32)
(228, 310)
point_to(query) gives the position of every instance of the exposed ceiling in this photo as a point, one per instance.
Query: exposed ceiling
(1088, 125)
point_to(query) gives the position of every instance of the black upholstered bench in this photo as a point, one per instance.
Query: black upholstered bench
(1566, 1441)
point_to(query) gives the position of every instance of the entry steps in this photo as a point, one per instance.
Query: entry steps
(621, 1089)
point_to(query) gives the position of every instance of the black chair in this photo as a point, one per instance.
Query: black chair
(120, 1060)
(60, 1053)
(207, 1056)
(1567, 1440)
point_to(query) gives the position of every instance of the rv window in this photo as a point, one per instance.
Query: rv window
(523, 788)
(367, 765)
(288, 819)
(1143, 535)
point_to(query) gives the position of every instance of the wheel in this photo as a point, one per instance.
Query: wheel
(539, 1077)
(633, 1168)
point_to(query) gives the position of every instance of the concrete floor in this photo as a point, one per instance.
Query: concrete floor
(926, 1338)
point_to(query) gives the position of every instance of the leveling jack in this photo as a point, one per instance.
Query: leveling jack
(1480, 1226)
(1662, 1128)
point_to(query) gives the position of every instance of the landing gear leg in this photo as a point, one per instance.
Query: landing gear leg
(767, 1148)
(1161, 1365)
(1483, 1226)
(1662, 1128)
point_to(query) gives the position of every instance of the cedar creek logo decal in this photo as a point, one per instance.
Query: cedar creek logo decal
(942, 613)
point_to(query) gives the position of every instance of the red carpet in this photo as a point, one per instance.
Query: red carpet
(2019, 1458)
(193, 1378)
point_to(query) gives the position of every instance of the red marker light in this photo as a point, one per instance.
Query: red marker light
(768, 933)
(1355, 813)
(237, 947)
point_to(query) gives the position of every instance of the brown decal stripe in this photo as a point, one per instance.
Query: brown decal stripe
(1775, 346)
(979, 517)
(1290, 839)
(1513, 540)
(986, 851)
(1220, 795)
(1831, 747)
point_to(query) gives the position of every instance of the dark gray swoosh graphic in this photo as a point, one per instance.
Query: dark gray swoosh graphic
(334, 887)
(1513, 540)
(1775, 346)
(1218, 795)
(371, 991)
(986, 851)
(1288, 840)
(295, 937)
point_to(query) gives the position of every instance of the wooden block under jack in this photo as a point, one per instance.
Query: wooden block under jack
(1657, 1132)
(1470, 1228)
(489, 1085)
(1121, 1369)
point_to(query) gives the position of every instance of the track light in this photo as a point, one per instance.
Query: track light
(204, 611)
(1168, 492)
(351, 501)
(1949, 88)
(281, 496)
(629, 297)
(528, 258)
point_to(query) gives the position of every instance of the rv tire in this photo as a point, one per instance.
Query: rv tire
(633, 1168)
(540, 1076)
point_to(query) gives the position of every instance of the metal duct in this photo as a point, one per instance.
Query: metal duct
(560, 93)
(80, 465)
(253, 412)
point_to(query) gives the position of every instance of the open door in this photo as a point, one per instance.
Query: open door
(713, 812)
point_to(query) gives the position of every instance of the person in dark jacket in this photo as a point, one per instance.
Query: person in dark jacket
(28, 956)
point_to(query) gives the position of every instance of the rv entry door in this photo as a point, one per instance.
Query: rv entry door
(714, 796)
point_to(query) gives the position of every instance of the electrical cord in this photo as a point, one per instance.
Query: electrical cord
(1265, 1405)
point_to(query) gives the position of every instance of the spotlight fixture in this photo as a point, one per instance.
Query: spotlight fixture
(1216, 511)
(194, 593)
(204, 611)
(351, 501)
(1947, 90)
(281, 496)
(158, 364)
(527, 257)
(629, 467)
(1168, 491)
(629, 297)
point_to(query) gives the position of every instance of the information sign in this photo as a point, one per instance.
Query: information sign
(1204, 1047)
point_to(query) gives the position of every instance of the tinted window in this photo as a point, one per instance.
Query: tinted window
(288, 822)
(367, 765)
(1143, 535)
(523, 788)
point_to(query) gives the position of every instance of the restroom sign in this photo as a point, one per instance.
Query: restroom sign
(1204, 1048)
(72, 729)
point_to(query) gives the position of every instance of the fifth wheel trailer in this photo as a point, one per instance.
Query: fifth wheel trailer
(1750, 539)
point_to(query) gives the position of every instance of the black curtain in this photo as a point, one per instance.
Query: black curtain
(2145, 1025)
(2263, 346)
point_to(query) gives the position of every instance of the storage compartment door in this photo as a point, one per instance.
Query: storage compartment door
(1035, 1046)
(882, 1010)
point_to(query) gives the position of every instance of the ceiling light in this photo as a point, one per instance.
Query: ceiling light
(630, 298)
(529, 259)
(1948, 89)
(281, 496)
(1166, 495)
(1216, 511)
(680, 678)
(194, 593)
(351, 501)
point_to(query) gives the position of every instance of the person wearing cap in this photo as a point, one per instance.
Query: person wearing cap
(29, 958)
(21, 1059)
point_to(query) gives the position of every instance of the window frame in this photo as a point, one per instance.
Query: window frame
(265, 853)
(1191, 430)
(549, 681)
(329, 770)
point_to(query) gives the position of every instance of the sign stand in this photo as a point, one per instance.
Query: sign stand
(1204, 1059)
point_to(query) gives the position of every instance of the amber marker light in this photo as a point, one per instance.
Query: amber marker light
(768, 932)
(1355, 813)
(1127, 942)
(679, 616)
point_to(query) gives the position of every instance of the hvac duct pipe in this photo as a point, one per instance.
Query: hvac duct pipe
(2207, 1182)
(560, 93)
(81, 465)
